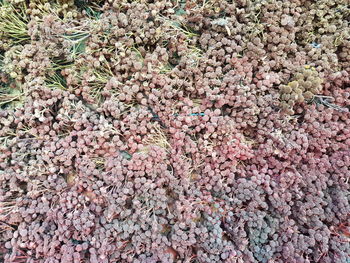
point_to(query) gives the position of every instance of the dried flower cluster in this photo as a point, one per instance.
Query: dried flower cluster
(305, 86)
(174, 131)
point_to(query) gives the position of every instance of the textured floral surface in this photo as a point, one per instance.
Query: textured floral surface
(174, 131)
